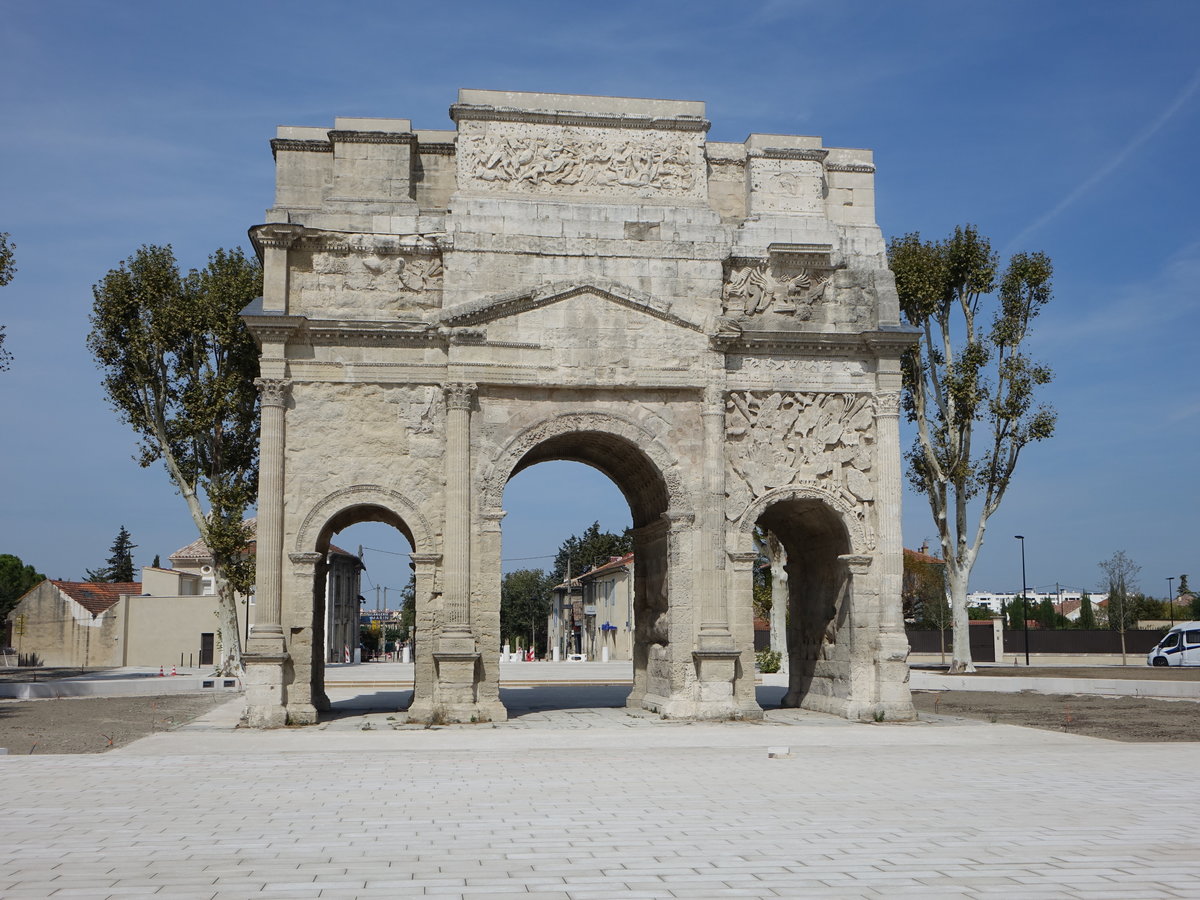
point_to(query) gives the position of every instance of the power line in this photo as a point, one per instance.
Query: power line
(507, 559)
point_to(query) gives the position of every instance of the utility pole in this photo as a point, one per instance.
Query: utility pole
(1171, 599)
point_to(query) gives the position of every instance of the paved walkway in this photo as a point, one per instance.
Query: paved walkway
(590, 802)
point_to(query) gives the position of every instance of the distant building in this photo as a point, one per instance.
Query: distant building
(594, 612)
(168, 618)
(1066, 603)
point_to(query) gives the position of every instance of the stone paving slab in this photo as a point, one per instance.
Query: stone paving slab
(663, 809)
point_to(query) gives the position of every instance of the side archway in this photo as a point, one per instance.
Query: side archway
(316, 615)
(820, 536)
(363, 503)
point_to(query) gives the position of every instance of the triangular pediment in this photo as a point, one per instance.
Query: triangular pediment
(500, 306)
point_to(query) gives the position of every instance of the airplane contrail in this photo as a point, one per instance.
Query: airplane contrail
(1115, 162)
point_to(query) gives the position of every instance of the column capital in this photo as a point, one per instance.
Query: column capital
(425, 559)
(459, 394)
(305, 559)
(887, 403)
(273, 391)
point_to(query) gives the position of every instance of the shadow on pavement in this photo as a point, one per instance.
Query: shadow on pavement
(524, 700)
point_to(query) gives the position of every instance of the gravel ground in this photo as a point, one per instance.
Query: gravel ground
(94, 724)
(1129, 719)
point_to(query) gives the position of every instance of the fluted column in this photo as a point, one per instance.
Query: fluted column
(714, 608)
(891, 545)
(457, 550)
(266, 637)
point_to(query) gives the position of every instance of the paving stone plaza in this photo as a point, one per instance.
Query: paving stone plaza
(576, 797)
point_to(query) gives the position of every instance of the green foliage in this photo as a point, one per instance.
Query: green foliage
(8, 269)
(1195, 606)
(408, 609)
(588, 550)
(15, 579)
(977, 613)
(1087, 613)
(768, 661)
(923, 591)
(524, 606)
(119, 567)
(969, 369)
(1120, 575)
(178, 367)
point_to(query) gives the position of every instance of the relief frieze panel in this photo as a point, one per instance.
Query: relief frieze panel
(779, 438)
(584, 161)
(366, 279)
(794, 291)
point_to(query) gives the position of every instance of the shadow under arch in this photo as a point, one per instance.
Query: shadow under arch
(329, 516)
(646, 475)
(817, 532)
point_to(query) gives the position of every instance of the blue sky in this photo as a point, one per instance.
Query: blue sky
(1064, 127)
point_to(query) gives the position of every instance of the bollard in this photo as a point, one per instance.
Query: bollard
(555, 654)
(603, 654)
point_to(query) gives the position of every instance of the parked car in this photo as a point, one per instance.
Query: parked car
(1179, 647)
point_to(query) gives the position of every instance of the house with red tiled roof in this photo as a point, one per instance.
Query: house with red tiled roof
(343, 578)
(97, 625)
(168, 618)
(592, 615)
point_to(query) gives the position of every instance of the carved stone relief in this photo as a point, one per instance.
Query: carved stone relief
(774, 439)
(351, 278)
(756, 287)
(587, 162)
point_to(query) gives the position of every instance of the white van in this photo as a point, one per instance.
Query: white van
(1179, 647)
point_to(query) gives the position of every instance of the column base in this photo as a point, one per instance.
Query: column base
(266, 697)
(456, 689)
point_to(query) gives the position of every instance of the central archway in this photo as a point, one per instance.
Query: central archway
(644, 473)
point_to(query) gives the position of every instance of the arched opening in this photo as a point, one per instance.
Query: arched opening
(813, 539)
(361, 584)
(618, 612)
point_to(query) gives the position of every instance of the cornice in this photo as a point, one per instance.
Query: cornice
(372, 137)
(278, 144)
(462, 112)
(331, 331)
(810, 154)
(861, 168)
(786, 343)
(441, 149)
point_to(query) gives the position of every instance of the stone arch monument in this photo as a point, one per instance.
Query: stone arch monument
(713, 325)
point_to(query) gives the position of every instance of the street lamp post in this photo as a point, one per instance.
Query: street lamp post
(1024, 599)
(1171, 599)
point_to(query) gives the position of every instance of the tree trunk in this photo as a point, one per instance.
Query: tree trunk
(779, 600)
(956, 589)
(227, 618)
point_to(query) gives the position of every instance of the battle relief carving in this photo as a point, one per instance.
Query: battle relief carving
(776, 439)
(649, 164)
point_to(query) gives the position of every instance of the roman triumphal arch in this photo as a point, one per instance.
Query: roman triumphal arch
(711, 324)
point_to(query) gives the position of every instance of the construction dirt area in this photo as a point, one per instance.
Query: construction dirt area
(97, 724)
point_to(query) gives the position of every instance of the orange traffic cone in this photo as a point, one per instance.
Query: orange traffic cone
(161, 673)
(173, 672)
